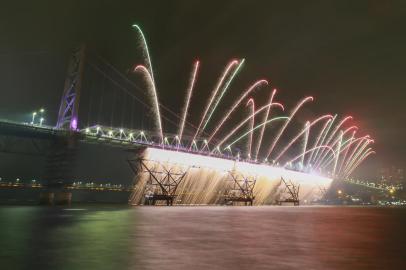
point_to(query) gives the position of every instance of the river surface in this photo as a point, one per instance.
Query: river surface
(111, 237)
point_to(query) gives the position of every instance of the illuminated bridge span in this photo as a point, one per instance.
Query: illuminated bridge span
(222, 145)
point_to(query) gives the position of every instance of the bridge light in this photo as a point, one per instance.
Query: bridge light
(110, 133)
(74, 124)
(205, 141)
(87, 130)
(42, 110)
(142, 133)
(33, 117)
(130, 134)
(41, 121)
(121, 130)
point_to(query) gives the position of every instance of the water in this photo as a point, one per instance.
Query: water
(111, 237)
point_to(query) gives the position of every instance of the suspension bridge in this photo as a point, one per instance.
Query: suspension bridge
(101, 105)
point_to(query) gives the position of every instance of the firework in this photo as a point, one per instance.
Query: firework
(251, 130)
(305, 141)
(266, 116)
(308, 151)
(327, 116)
(213, 95)
(333, 148)
(246, 120)
(154, 94)
(223, 92)
(188, 97)
(295, 110)
(252, 103)
(235, 105)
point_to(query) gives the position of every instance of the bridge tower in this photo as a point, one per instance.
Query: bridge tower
(69, 107)
(61, 156)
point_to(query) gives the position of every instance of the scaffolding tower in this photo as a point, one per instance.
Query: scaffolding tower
(290, 193)
(240, 188)
(162, 182)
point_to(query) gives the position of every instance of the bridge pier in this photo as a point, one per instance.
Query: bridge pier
(60, 197)
(61, 159)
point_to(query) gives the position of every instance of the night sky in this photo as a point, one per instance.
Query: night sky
(350, 55)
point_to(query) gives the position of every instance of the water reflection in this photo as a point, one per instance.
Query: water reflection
(108, 237)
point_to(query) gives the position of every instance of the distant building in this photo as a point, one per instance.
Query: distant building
(391, 175)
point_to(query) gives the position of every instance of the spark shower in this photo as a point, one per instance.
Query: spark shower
(324, 148)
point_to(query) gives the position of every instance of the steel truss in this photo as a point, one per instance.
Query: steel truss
(241, 188)
(162, 182)
(290, 193)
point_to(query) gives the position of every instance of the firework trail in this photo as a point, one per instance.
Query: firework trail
(298, 106)
(235, 105)
(251, 131)
(327, 116)
(359, 153)
(324, 136)
(338, 152)
(323, 154)
(346, 147)
(355, 161)
(306, 139)
(310, 150)
(366, 154)
(188, 97)
(252, 103)
(154, 94)
(346, 151)
(214, 93)
(266, 116)
(317, 140)
(247, 119)
(327, 159)
(223, 92)
(146, 52)
(358, 145)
